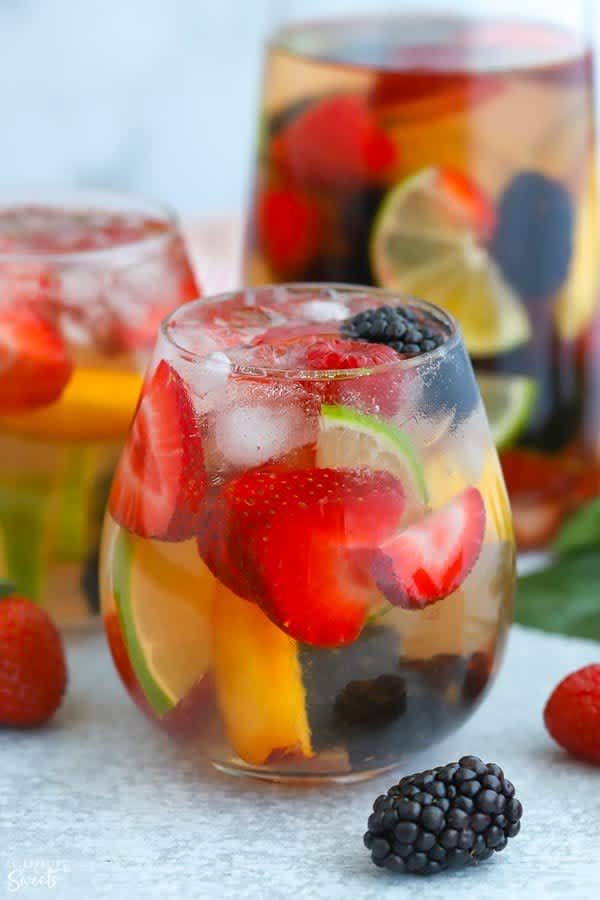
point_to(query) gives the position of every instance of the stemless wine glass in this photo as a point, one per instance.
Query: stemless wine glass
(308, 560)
(85, 279)
(452, 154)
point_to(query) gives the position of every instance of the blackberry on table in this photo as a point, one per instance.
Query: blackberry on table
(426, 823)
(533, 241)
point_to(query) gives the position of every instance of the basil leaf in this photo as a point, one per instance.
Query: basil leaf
(564, 598)
(581, 530)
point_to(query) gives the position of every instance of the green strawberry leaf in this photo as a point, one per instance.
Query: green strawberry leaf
(564, 598)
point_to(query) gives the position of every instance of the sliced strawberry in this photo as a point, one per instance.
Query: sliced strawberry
(161, 480)
(290, 229)
(283, 539)
(34, 363)
(431, 559)
(337, 141)
(465, 203)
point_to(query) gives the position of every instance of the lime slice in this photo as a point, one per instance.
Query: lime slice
(424, 243)
(163, 594)
(508, 401)
(578, 301)
(348, 439)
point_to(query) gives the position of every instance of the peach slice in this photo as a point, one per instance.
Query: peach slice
(258, 681)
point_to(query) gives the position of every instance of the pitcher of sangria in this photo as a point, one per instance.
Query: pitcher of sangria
(453, 157)
(85, 278)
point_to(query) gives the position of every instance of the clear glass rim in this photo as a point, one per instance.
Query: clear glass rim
(169, 327)
(90, 198)
(281, 38)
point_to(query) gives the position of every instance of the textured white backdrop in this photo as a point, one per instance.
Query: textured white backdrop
(158, 96)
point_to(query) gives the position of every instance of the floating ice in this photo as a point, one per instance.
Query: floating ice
(323, 311)
(250, 435)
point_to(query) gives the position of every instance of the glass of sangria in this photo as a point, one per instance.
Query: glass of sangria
(85, 279)
(454, 157)
(308, 560)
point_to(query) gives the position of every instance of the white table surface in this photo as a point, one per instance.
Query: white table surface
(118, 811)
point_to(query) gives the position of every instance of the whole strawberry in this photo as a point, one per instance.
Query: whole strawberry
(33, 672)
(572, 714)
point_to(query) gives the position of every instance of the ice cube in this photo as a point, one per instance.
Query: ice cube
(324, 311)
(248, 436)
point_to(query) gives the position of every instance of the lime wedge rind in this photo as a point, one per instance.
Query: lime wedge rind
(386, 439)
(158, 699)
(509, 401)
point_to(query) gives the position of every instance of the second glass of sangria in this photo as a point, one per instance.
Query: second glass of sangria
(85, 279)
(454, 158)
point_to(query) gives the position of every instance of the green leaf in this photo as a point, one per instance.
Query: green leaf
(24, 515)
(564, 598)
(582, 530)
(7, 588)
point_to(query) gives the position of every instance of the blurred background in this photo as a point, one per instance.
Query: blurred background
(157, 96)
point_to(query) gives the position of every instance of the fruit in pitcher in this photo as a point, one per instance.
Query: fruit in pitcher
(449, 817)
(430, 559)
(508, 401)
(572, 714)
(161, 479)
(577, 303)
(258, 682)
(34, 363)
(427, 240)
(336, 141)
(533, 241)
(289, 531)
(33, 671)
(289, 224)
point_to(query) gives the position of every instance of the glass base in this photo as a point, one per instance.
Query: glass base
(260, 773)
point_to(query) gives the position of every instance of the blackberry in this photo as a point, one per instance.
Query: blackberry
(533, 241)
(374, 704)
(349, 262)
(89, 581)
(443, 818)
(89, 572)
(408, 331)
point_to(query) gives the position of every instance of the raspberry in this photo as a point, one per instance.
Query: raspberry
(572, 714)
(290, 229)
